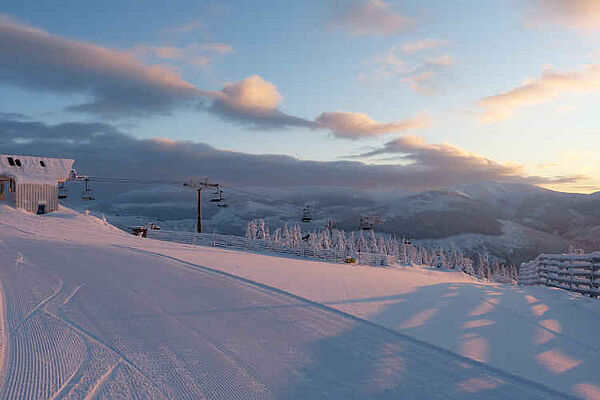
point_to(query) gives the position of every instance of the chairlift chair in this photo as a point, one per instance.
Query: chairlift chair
(306, 214)
(217, 197)
(87, 192)
(222, 203)
(62, 191)
(367, 223)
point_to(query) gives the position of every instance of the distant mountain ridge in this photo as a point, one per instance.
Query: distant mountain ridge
(510, 220)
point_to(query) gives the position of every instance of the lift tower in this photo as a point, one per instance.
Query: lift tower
(199, 185)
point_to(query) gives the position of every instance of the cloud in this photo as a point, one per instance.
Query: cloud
(116, 81)
(102, 150)
(423, 75)
(371, 17)
(162, 52)
(221, 48)
(443, 61)
(550, 85)
(255, 101)
(576, 14)
(357, 125)
(433, 161)
(391, 63)
(13, 116)
(422, 44)
(120, 84)
(424, 78)
(251, 94)
(192, 26)
(420, 81)
(199, 55)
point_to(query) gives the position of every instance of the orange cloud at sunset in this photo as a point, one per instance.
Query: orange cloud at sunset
(549, 86)
(252, 93)
(356, 125)
(578, 14)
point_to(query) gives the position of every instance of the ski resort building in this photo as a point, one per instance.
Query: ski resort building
(31, 183)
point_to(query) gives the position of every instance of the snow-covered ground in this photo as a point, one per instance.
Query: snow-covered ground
(92, 312)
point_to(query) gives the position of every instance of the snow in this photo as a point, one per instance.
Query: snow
(139, 318)
(32, 171)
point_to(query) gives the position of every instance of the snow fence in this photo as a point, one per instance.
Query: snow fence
(574, 272)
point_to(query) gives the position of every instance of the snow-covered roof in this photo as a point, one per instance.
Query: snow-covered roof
(28, 169)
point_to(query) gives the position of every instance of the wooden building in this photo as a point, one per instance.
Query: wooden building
(31, 183)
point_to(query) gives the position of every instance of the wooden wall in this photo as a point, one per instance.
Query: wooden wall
(29, 196)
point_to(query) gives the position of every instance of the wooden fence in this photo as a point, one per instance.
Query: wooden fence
(266, 246)
(528, 274)
(575, 272)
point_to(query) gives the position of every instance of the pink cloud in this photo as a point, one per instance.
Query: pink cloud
(221, 48)
(423, 44)
(422, 76)
(198, 55)
(252, 93)
(371, 17)
(350, 125)
(119, 83)
(162, 52)
(577, 14)
(550, 85)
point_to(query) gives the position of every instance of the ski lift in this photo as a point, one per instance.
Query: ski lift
(62, 191)
(368, 223)
(87, 192)
(331, 225)
(217, 197)
(306, 214)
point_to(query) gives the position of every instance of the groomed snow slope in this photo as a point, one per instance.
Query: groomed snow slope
(91, 312)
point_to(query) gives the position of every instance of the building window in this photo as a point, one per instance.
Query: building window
(18, 162)
(42, 163)
(11, 161)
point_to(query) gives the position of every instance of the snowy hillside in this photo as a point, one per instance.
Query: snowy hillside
(92, 312)
(512, 221)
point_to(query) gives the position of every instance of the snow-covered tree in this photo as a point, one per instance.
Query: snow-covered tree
(251, 230)
(480, 264)
(276, 236)
(339, 241)
(257, 229)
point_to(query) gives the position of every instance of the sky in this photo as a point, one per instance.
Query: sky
(362, 93)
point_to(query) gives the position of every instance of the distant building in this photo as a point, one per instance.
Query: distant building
(31, 183)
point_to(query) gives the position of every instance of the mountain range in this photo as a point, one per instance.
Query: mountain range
(513, 221)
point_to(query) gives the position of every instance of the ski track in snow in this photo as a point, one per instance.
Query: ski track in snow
(107, 320)
(100, 385)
